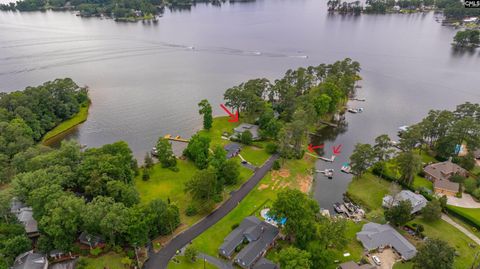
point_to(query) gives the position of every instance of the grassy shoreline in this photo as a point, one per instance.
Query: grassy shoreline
(67, 125)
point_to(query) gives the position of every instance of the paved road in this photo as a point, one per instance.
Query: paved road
(160, 260)
(461, 228)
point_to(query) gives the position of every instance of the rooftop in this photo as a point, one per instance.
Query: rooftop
(417, 200)
(374, 235)
(444, 170)
(30, 260)
(232, 149)
(446, 185)
(264, 264)
(248, 127)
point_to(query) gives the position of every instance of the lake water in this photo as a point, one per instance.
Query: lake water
(146, 79)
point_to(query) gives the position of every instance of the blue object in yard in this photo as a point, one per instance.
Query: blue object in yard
(458, 148)
(283, 221)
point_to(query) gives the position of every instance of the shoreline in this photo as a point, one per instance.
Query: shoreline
(67, 125)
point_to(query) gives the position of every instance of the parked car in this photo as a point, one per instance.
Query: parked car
(376, 260)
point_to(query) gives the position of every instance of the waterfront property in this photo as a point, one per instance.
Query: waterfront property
(353, 265)
(253, 129)
(24, 215)
(260, 236)
(30, 260)
(417, 200)
(440, 174)
(375, 236)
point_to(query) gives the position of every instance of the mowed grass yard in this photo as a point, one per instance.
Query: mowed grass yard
(261, 196)
(110, 260)
(369, 191)
(166, 184)
(183, 263)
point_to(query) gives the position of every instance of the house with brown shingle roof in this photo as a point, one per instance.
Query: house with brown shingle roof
(440, 174)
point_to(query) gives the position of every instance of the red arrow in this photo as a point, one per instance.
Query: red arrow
(336, 150)
(233, 117)
(313, 148)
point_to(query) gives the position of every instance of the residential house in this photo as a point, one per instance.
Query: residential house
(417, 200)
(260, 236)
(24, 215)
(30, 260)
(440, 174)
(92, 241)
(233, 149)
(376, 236)
(265, 264)
(253, 129)
(353, 265)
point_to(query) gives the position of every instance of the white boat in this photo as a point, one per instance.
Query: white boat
(346, 168)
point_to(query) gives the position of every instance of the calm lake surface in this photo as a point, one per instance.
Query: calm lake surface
(146, 79)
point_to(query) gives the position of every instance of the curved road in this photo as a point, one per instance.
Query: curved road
(160, 260)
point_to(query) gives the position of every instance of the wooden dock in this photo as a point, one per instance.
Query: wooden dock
(328, 123)
(176, 138)
(331, 159)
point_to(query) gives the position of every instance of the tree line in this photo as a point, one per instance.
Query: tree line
(25, 116)
(70, 190)
(286, 108)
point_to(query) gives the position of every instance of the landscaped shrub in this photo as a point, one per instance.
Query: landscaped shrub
(470, 185)
(457, 178)
(131, 253)
(117, 249)
(271, 148)
(174, 168)
(476, 193)
(459, 213)
(276, 165)
(191, 210)
(146, 174)
(95, 251)
(235, 226)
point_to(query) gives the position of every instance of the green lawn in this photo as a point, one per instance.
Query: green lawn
(165, 184)
(473, 214)
(184, 264)
(421, 182)
(80, 117)
(220, 125)
(444, 231)
(254, 155)
(261, 196)
(369, 191)
(400, 265)
(110, 260)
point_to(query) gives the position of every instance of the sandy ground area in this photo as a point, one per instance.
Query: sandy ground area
(388, 257)
(466, 201)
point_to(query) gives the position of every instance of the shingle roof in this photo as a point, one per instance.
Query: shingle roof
(374, 235)
(444, 170)
(255, 249)
(248, 127)
(264, 264)
(417, 200)
(25, 216)
(235, 238)
(232, 149)
(89, 239)
(446, 185)
(30, 260)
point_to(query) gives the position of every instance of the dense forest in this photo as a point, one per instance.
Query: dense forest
(69, 189)
(288, 107)
(25, 116)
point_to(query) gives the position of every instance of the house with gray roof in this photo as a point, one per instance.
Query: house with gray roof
(253, 129)
(233, 149)
(260, 236)
(24, 215)
(30, 260)
(417, 200)
(265, 264)
(374, 236)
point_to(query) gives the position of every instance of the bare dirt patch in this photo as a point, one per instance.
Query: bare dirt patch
(284, 173)
(305, 182)
(388, 257)
(263, 186)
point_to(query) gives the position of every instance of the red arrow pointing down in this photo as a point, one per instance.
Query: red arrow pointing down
(336, 149)
(233, 117)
